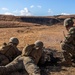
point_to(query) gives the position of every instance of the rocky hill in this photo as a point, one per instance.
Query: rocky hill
(18, 21)
(31, 19)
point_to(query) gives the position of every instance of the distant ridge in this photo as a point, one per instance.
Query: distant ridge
(42, 20)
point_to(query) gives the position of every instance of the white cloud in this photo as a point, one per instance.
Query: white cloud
(31, 6)
(50, 11)
(39, 6)
(65, 14)
(25, 12)
(8, 13)
(5, 9)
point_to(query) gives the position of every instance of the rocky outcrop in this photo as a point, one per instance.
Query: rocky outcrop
(40, 20)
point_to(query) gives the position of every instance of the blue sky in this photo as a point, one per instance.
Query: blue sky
(37, 7)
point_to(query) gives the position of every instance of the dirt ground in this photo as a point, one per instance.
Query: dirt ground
(29, 33)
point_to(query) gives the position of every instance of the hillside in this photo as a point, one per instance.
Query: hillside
(14, 21)
(48, 29)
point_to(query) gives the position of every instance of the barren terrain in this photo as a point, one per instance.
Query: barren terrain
(28, 33)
